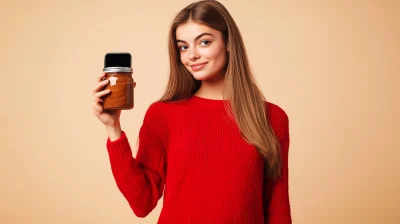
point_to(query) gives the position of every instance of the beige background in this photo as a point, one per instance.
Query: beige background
(332, 65)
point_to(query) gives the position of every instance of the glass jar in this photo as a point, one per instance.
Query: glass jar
(121, 86)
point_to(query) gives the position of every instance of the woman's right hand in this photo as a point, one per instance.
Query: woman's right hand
(109, 118)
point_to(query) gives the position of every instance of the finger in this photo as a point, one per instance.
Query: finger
(97, 108)
(102, 93)
(96, 99)
(101, 77)
(100, 85)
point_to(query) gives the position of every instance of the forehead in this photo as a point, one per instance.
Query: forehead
(190, 30)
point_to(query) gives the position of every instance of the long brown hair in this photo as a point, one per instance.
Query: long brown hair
(246, 102)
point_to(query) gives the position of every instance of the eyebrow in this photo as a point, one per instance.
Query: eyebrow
(198, 37)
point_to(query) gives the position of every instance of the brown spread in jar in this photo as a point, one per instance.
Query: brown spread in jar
(121, 86)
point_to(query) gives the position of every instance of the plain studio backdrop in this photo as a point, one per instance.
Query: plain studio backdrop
(333, 66)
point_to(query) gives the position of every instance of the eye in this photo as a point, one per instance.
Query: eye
(206, 42)
(182, 48)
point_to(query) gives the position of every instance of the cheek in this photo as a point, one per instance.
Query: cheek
(183, 58)
(216, 54)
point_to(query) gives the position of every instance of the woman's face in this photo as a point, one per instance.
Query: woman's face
(202, 50)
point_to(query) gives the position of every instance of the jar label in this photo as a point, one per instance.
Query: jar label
(113, 80)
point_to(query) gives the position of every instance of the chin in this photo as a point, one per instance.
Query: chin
(201, 76)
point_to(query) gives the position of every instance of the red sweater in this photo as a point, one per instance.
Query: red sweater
(209, 173)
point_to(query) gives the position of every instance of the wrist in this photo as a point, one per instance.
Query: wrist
(114, 131)
(116, 124)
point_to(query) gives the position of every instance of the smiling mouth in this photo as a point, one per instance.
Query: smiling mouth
(198, 67)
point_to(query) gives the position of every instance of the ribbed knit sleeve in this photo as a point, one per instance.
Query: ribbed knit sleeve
(141, 180)
(277, 206)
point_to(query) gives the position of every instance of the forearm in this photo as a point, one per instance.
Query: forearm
(141, 187)
(141, 182)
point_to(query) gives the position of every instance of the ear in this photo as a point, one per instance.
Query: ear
(227, 46)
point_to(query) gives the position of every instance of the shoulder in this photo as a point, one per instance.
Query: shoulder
(155, 121)
(160, 106)
(277, 116)
(155, 112)
(156, 107)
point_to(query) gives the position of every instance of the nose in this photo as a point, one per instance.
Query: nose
(193, 54)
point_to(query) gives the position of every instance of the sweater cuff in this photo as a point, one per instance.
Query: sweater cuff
(119, 151)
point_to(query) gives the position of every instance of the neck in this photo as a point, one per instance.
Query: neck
(212, 88)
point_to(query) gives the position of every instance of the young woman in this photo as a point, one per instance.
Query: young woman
(212, 145)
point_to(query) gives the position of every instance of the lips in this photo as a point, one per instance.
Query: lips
(197, 67)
